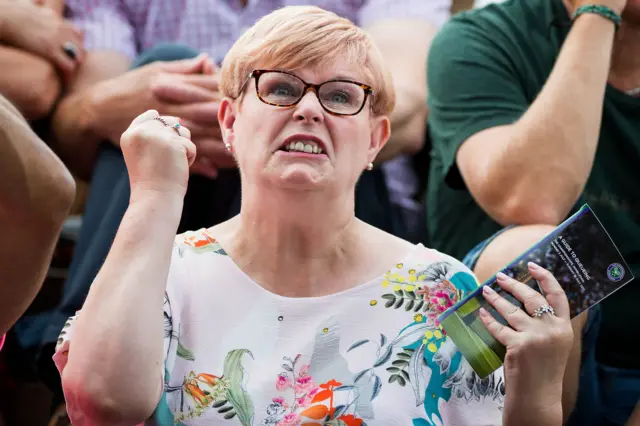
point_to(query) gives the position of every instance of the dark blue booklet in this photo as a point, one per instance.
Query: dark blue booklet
(581, 256)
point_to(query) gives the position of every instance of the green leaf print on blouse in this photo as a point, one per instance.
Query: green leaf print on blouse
(409, 366)
(300, 399)
(236, 395)
(399, 367)
(428, 291)
(320, 389)
(225, 393)
(420, 355)
(185, 353)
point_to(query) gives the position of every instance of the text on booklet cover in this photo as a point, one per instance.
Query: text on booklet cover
(580, 255)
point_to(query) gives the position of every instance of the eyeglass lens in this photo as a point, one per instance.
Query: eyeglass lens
(284, 89)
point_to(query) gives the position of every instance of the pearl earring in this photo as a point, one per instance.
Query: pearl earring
(227, 146)
(370, 166)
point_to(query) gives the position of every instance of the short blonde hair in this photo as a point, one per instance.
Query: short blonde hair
(294, 37)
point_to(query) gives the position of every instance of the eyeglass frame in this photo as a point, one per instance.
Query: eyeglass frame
(256, 74)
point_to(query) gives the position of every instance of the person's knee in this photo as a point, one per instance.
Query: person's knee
(165, 52)
(506, 247)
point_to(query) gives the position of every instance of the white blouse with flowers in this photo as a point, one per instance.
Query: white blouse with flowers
(236, 354)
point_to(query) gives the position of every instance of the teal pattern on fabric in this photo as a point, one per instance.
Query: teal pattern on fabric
(464, 282)
(435, 388)
(162, 416)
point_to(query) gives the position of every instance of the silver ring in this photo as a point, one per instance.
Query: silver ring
(70, 49)
(162, 120)
(175, 127)
(544, 309)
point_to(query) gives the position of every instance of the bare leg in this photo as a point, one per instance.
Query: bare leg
(500, 252)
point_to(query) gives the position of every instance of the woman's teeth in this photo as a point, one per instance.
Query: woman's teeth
(308, 147)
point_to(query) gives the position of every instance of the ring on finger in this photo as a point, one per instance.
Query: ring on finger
(525, 294)
(70, 49)
(544, 309)
(176, 127)
(162, 120)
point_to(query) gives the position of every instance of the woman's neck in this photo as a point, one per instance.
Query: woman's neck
(304, 236)
(301, 224)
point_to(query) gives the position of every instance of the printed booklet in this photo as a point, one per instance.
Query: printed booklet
(580, 255)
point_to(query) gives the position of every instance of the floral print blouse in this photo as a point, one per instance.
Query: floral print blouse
(237, 354)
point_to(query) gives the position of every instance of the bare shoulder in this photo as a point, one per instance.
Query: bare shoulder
(225, 232)
(387, 247)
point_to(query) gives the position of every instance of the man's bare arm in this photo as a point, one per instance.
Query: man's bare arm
(534, 170)
(36, 193)
(76, 119)
(105, 101)
(408, 69)
(31, 83)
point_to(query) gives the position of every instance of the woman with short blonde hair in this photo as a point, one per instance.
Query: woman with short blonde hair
(293, 312)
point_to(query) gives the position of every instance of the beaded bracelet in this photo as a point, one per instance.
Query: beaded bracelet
(598, 9)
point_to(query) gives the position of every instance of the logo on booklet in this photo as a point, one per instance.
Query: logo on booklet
(615, 272)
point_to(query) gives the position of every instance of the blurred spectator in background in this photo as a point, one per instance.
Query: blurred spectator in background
(482, 3)
(40, 52)
(532, 114)
(36, 193)
(130, 68)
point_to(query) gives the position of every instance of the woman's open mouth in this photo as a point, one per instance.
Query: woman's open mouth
(307, 147)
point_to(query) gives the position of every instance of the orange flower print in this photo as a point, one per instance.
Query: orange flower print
(350, 420)
(311, 404)
(330, 384)
(199, 239)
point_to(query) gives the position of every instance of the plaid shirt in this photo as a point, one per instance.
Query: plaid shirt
(212, 26)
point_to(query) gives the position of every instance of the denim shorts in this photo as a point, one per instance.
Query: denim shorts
(620, 393)
(589, 410)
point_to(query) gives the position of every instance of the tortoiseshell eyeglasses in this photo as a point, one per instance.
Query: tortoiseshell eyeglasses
(283, 89)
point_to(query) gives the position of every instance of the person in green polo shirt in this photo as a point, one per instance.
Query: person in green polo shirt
(532, 113)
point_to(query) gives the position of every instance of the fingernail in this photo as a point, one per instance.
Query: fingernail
(487, 290)
(533, 266)
(501, 276)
